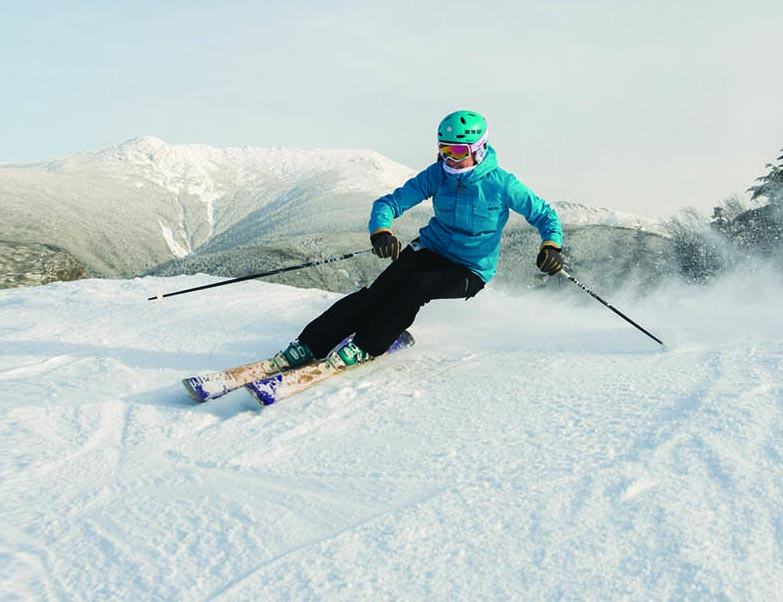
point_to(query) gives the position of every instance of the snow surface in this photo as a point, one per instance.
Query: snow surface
(529, 447)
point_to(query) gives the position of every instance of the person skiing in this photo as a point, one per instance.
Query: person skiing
(454, 256)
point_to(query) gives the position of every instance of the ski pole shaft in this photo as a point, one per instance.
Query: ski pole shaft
(291, 268)
(609, 305)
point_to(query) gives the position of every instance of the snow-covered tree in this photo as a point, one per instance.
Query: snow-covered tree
(770, 186)
(698, 249)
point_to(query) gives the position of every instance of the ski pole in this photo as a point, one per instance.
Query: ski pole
(291, 268)
(609, 305)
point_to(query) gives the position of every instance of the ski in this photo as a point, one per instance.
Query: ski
(272, 389)
(212, 385)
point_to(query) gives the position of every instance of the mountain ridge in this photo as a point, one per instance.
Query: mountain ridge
(126, 210)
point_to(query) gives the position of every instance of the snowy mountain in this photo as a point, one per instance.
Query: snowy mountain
(576, 214)
(530, 447)
(146, 206)
(126, 209)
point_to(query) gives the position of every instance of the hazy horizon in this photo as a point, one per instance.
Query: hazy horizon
(639, 109)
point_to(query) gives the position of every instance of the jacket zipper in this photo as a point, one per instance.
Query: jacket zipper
(457, 201)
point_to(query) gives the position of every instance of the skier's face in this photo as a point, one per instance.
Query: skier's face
(457, 156)
(468, 161)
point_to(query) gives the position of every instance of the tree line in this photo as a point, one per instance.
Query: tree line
(735, 232)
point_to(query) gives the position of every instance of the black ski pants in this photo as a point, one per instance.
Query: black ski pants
(379, 314)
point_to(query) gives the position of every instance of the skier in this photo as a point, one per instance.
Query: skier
(454, 256)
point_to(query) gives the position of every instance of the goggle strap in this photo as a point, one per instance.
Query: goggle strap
(482, 141)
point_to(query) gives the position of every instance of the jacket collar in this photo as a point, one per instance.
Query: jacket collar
(489, 164)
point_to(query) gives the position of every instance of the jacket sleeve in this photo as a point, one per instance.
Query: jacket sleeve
(391, 206)
(535, 210)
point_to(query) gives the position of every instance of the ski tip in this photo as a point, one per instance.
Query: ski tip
(203, 389)
(194, 390)
(264, 391)
(208, 386)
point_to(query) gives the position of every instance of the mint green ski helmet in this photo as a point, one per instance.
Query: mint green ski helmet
(466, 127)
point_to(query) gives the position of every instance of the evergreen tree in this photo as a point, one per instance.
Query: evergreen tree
(724, 215)
(771, 184)
(698, 249)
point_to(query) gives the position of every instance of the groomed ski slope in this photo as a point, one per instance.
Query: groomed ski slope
(530, 447)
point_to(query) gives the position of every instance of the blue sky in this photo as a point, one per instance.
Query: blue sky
(643, 107)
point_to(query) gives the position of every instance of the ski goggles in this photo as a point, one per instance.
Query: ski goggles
(459, 151)
(455, 152)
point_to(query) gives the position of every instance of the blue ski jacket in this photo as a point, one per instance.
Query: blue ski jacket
(471, 210)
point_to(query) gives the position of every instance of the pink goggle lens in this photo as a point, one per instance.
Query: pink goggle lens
(456, 152)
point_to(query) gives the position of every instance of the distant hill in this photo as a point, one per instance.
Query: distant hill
(148, 207)
(123, 210)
